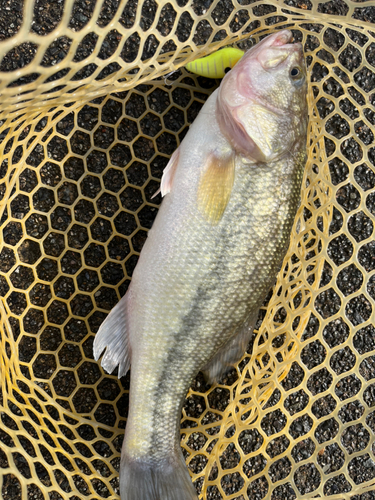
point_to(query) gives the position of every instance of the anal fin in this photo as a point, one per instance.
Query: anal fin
(230, 353)
(113, 336)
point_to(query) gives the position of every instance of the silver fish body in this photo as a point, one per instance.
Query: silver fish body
(207, 264)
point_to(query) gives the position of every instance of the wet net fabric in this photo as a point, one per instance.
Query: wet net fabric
(85, 135)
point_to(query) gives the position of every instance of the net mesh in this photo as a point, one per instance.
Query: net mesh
(85, 135)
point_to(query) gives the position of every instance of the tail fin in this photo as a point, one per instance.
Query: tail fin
(113, 335)
(146, 481)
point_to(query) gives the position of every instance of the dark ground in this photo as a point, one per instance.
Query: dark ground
(314, 354)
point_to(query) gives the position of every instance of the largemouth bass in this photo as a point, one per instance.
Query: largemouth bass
(231, 193)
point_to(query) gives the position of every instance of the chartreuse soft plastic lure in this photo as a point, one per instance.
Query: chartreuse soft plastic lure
(217, 64)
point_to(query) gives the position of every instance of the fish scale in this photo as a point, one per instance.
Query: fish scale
(209, 259)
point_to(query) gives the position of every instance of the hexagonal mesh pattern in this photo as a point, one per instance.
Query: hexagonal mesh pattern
(84, 140)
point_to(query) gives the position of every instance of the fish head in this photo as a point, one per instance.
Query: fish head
(262, 105)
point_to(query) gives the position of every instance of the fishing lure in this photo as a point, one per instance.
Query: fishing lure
(217, 64)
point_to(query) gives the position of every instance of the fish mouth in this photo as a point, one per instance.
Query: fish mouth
(281, 38)
(278, 39)
(278, 49)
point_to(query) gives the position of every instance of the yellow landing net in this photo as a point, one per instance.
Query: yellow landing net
(85, 133)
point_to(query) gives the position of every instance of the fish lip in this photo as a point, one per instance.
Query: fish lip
(288, 49)
(280, 38)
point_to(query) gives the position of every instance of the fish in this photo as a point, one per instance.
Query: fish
(217, 64)
(230, 194)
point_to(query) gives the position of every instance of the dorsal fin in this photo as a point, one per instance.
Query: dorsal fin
(231, 352)
(215, 186)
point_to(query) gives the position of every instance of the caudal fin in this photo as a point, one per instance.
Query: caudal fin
(146, 481)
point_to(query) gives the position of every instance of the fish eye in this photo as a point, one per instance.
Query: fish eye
(297, 76)
(295, 72)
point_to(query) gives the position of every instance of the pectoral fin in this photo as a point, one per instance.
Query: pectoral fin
(215, 186)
